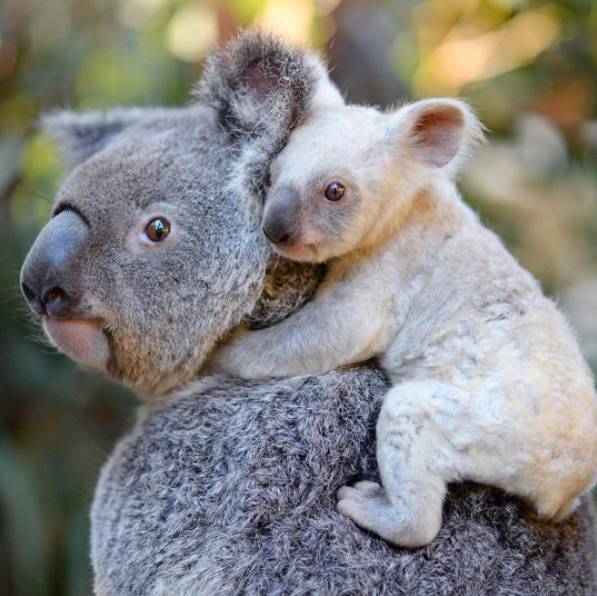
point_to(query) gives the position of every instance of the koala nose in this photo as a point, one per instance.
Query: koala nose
(53, 301)
(276, 235)
(49, 278)
(281, 216)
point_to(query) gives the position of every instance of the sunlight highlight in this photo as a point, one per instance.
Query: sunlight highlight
(460, 59)
(192, 32)
(291, 19)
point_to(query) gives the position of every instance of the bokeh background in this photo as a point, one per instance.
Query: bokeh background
(527, 66)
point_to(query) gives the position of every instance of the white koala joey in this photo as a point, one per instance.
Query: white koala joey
(488, 383)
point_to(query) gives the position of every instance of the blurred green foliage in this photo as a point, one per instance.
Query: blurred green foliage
(528, 66)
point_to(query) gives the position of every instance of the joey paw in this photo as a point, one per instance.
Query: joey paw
(365, 503)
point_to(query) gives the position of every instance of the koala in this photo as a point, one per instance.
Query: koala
(488, 383)
(225, 485)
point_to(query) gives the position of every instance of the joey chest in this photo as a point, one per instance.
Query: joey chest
(374, 292)
(421, 313)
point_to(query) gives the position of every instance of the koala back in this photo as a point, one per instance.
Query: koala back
(230, 488)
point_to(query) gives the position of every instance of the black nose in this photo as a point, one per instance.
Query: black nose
(53, 300)
(50, 277)
(276, 235)
(281, 216)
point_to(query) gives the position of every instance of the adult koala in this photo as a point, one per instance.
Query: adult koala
(227, 486)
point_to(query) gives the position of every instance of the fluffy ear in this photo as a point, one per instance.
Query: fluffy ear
(258, 84)
(439, 132)
(80, 135)
(260, 89)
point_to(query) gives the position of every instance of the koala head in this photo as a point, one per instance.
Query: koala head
(349, 174)
(153, 250)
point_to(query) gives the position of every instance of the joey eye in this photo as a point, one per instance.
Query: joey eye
(157, 229)
(335, 191)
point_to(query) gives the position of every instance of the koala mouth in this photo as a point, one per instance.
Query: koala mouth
(297, 252)
(83, 340)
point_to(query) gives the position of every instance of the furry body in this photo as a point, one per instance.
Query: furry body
(489, 384)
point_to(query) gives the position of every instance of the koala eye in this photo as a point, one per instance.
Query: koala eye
(157, 229)
(335, 191)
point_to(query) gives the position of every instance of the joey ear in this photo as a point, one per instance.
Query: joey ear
(80, 135)
(438, 132)
(257, 84)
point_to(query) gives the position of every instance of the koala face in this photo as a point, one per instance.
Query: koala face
(138, 271)
(153, 251)
(349, 174)
(325, 184)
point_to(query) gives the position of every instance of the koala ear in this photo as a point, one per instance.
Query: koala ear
(80, 135)
(260, 89)
(258, 84)
(439, 132)
(325, 93)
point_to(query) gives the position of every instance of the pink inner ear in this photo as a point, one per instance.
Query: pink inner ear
(261, 77)
(437, 134)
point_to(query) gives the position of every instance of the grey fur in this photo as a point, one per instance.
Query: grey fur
(276, 302)
(228, 486)
(82, 135)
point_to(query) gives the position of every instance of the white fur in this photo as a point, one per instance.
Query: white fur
(326, 93)
(489, 384)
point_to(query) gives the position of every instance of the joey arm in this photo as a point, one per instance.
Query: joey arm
(336, 328)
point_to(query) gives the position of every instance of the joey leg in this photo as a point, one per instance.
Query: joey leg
(416, 460)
